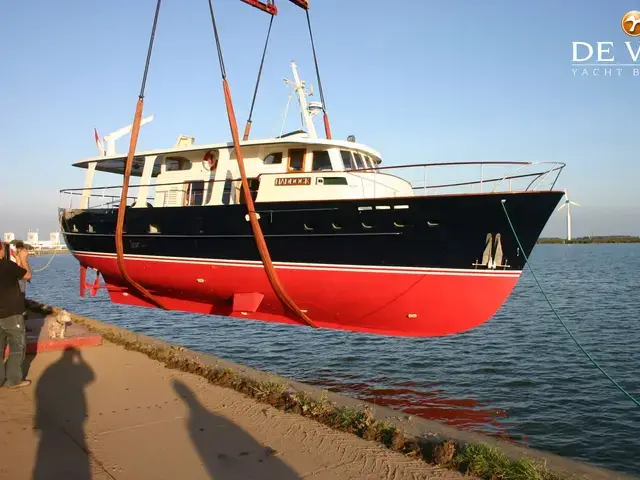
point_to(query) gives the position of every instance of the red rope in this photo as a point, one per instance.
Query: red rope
(253, 220)
(135, 130)
(255, 225)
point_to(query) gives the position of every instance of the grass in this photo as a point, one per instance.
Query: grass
(488, 462)
(479, 460)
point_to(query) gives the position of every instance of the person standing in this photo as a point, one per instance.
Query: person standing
(12, 328)
(15, 257)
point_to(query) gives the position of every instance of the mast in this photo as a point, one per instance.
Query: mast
(302, 99)
(111, 138)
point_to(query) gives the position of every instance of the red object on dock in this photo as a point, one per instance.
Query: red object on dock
(38, 340)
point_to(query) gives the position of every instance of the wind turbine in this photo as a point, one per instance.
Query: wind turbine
(567, 203)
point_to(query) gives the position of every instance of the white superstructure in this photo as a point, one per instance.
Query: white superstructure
(297, 165)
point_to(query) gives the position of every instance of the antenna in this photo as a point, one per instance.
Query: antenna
(110, 139)
(567, 203)
(307, 111)
(315, 108)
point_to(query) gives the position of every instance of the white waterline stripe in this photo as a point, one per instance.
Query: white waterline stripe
(312, 266)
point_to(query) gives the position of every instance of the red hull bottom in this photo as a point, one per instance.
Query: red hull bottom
(398, 301)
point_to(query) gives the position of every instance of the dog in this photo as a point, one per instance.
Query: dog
(57, 323)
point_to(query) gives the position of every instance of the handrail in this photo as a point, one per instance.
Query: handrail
(534, 163)
(548, 173)
(486, 180)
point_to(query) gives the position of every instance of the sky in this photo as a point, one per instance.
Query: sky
(419, 81)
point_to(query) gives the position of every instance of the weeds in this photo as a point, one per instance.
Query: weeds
(488, 462)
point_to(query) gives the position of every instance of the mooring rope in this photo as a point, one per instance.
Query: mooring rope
(557, 314)
(48, 263)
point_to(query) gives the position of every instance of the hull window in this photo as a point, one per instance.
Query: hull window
(296, 160)
(334, 181)
(321, 161)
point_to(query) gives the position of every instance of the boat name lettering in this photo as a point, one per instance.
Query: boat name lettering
(285, 181)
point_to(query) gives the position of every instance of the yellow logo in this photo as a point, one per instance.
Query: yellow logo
(631, 23)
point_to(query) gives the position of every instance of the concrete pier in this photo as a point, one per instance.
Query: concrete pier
(109, 412)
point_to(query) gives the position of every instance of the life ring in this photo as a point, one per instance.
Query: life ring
(210, 160)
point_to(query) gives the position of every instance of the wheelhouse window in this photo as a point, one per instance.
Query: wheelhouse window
(357, 160)
(273, 158)
(296, 160)
(347, 160)
(177, 163)
(321, 161)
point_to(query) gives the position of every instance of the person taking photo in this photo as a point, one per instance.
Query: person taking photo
(12, 327)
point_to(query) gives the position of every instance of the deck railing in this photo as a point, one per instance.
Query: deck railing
(477, 177)
(421, 179)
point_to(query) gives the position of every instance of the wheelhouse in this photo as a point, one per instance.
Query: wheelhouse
(284, 169)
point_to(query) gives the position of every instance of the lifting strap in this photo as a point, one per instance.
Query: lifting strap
(255, 225)
(135, 130)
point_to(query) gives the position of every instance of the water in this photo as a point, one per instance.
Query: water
(519, 376)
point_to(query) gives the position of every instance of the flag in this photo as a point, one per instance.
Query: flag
(98, 142)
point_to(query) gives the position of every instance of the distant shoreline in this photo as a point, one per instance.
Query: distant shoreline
(594, 239)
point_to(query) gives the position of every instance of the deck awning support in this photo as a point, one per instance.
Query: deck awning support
(145, 181)
(88, 181)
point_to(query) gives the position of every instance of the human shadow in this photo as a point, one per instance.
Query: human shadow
(226, 450)
(61, 410)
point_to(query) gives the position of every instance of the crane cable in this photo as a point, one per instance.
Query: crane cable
(327, 128)
(247, 128)
(255, 225)
(135, 130)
